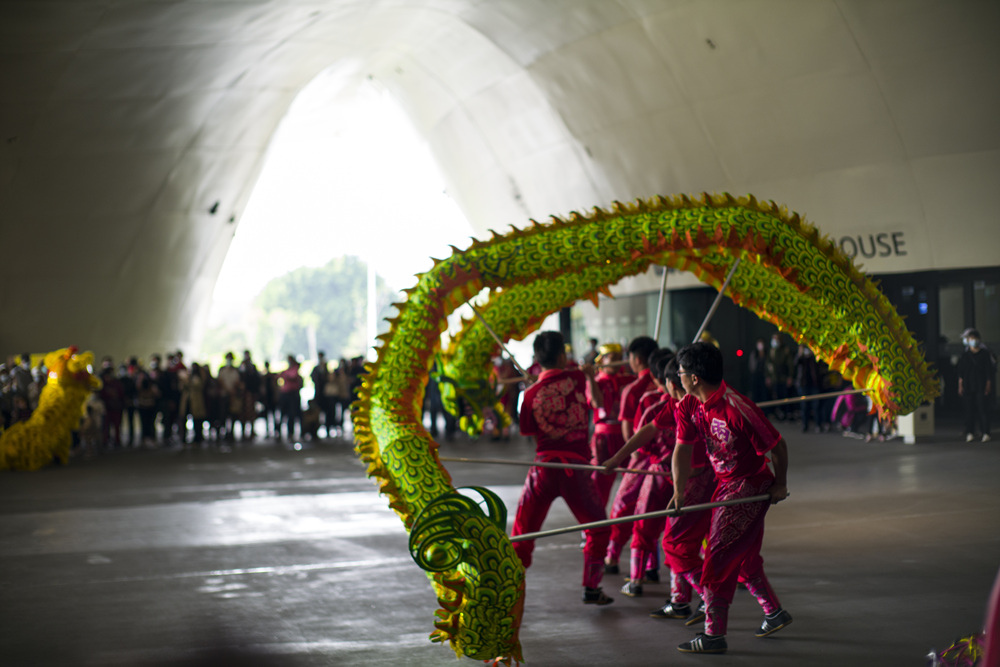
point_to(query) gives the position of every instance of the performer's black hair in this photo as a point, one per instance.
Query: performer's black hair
(642, 347)
(670, 372)
(702, 359)
(548, 345)
(658, 360)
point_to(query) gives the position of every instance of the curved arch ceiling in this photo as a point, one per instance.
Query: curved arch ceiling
(133, 132)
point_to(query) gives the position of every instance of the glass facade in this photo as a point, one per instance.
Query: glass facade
(936, 306)
(986, 309)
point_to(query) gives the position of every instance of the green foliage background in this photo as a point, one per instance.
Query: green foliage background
(328, 303)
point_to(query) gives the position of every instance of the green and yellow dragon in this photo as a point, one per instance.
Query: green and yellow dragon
(789, 274)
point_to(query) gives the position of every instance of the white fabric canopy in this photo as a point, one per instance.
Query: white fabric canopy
(133, 132)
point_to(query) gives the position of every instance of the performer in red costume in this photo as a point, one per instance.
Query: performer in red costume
(646, 453)
(639, 351)
(684, 534)
(607, 438)
(728, 428)
(554, 410)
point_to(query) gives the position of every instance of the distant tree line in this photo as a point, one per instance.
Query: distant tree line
(307, 310)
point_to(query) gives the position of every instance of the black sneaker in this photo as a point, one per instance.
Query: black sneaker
(773, 623)
(697, 616)
(671, 610)
(652, 576)
(611, 568)
(596, 596)
(705, 644)
(633, 589)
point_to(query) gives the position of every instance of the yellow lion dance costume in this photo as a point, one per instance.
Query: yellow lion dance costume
(32, 444)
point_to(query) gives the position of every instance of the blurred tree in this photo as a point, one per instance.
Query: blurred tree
(310, 309)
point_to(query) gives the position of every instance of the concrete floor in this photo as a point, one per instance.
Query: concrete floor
(269, 555)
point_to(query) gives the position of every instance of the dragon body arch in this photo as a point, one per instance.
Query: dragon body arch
(789, 274)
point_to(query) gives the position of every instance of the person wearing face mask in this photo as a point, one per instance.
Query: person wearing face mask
(21, 375)
(6, 398)
(807, 378)
(147, 397)
(976, 368)
(779, 373)
(757, 365)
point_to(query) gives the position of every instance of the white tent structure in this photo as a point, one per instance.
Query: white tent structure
(133, 132)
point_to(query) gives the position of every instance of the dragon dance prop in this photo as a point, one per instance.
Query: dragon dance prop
(789, 274)
(47, 434)
(965, 652)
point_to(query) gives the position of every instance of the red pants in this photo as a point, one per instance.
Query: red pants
(734, 542)
(682, 536)
(576, 487)
(605, 443)
(624, 505)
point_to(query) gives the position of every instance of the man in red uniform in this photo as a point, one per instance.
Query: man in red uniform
(683, 534)
(646, 454)
(640, 349)
(607, 438)
(728, 428)
(554, 410)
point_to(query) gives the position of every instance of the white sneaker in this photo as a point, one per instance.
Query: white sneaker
(968, 437)
(986, 437)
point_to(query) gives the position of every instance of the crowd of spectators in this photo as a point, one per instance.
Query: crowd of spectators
(170, 403)
(20, 387)
(780, 371)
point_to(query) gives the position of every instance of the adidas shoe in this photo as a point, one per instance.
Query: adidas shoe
(986, 437)
(773, 623)
(611, 568)
(653, 576)
(633, 589)
(705, 644)
(697, 616)
(596, 596)
(969, 437)
(672, 610)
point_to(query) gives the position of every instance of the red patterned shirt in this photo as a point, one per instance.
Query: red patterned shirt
(735, 433)
(554, 410)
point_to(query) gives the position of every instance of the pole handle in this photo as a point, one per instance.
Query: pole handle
(553, 464)
(636, 517)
